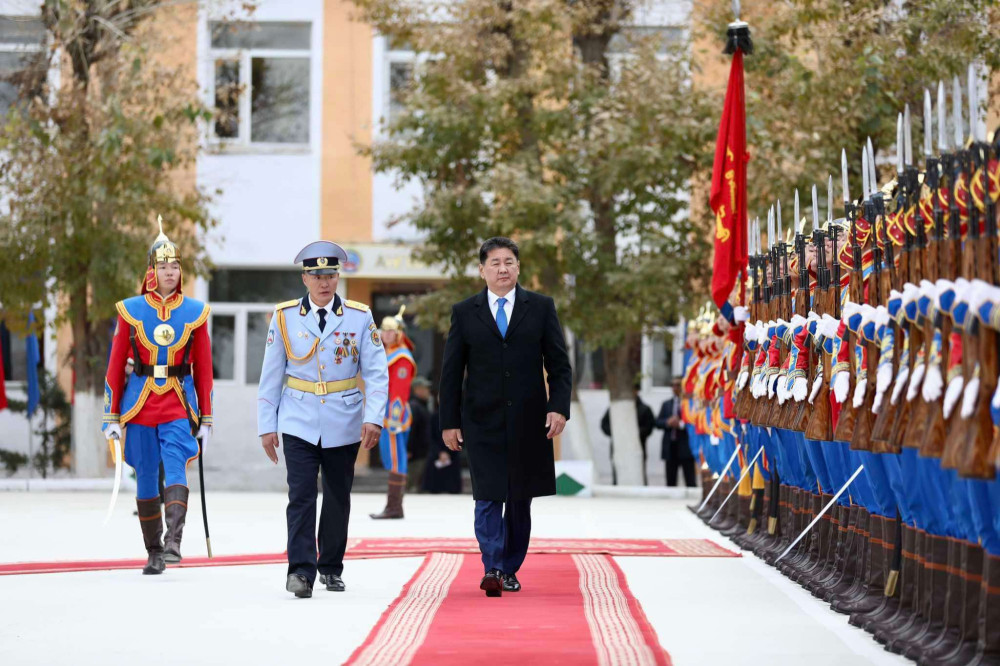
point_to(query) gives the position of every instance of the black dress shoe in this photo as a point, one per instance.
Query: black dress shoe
(510, 583)
(299, 585)
(492, 583)
(334, 583)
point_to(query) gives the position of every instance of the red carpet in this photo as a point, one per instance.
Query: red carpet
(574, 609)
(362, 548)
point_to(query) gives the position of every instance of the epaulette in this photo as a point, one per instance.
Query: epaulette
(356, 305)
(286, 304)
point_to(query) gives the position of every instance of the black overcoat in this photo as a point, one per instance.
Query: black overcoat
(493, 388)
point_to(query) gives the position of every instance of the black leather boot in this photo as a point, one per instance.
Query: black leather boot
(150, 520)
(175, 508)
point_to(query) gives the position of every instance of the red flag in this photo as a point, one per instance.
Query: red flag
(729, 189)
(3, 383)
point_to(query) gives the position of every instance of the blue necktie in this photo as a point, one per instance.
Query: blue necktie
(502, 317)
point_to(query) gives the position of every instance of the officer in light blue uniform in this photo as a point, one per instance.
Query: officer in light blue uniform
(318, 348)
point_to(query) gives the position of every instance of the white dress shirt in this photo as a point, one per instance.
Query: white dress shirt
(508, 307)
(315, 308)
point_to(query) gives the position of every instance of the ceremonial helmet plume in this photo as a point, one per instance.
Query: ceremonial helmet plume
(163, 249)
(394, 322)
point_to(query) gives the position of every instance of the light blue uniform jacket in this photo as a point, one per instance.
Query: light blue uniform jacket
(349, 346)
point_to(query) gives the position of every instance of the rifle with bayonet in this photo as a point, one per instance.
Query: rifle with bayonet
(819, 426)
(844, 431)
(861, 441)
(974, 458)
(947, 260)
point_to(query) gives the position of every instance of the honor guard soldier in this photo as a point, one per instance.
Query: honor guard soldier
(398, 419)
(166, 401)
(317, 349)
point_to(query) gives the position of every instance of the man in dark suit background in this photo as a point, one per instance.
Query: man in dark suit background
(675, 452)
(506, 339)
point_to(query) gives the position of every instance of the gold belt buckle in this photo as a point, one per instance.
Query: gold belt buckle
(159, 372)
(320, 388)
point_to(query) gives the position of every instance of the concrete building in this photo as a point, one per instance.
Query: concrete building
(299, 85)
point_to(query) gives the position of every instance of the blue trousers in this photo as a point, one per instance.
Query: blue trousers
(147, 446)
(503, 530)
(392, 448)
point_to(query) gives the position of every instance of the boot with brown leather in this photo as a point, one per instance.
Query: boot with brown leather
(394, 501)
(957, 645)
(988, 646)
(150, 520)
(175, 506)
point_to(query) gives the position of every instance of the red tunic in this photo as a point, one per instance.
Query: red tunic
(162, 407)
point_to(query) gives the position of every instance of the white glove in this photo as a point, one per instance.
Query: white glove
(741, 381)
(841, 385)
(205, 434)
(915, 381)
(859, 394)
(979, 293)
(799, 389)
(929, 289)
(996, 398)
(900, 383)
(933, 383)
(113, 430)
(772, 383)
(740, 314)
(911, 292)
(817, 385)
(969, 397)
(952, 394)
(883, 379)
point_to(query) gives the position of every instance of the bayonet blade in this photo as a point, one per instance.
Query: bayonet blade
(815, 210)
(865, 190)
(829, 198)
(928, 151)
(956, 112)
(907, 137)
(770, 229)
(872, 171)
(781, 234)
(973, 101)
(942, 111)
(843, 175)
(799, 223)
(899, 144)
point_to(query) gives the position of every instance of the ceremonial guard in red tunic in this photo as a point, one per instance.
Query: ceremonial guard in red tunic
(166, 402)
(398, 419)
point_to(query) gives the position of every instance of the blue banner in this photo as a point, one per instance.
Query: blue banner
(33, 360)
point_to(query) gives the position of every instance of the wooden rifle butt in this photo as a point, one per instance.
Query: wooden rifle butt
(975, 461)
(883, 420)
(995, 449)
(802, 415)
(787, 413)
(820, 426)
(954, 440)
(916, 423)
(935, 430)
(861, 441)
(848, 418)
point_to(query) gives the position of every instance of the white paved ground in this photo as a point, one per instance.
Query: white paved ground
(706, 611)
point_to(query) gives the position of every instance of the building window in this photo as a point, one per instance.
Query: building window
(400, 76)
(589, 368)
(628, 39)
(22, 40)
(15, 354)
(257, 325)
(223, 346)
(261, 82)
(663, 359)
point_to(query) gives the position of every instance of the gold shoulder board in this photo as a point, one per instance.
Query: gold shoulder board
(286, 304)
(356, 305)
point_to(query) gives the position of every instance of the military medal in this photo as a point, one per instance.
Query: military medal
(163, 334)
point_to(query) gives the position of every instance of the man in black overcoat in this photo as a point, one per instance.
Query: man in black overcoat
(675, 452)
(504, 343)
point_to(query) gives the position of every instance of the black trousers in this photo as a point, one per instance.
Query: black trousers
(303, 462)
(688, 467)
